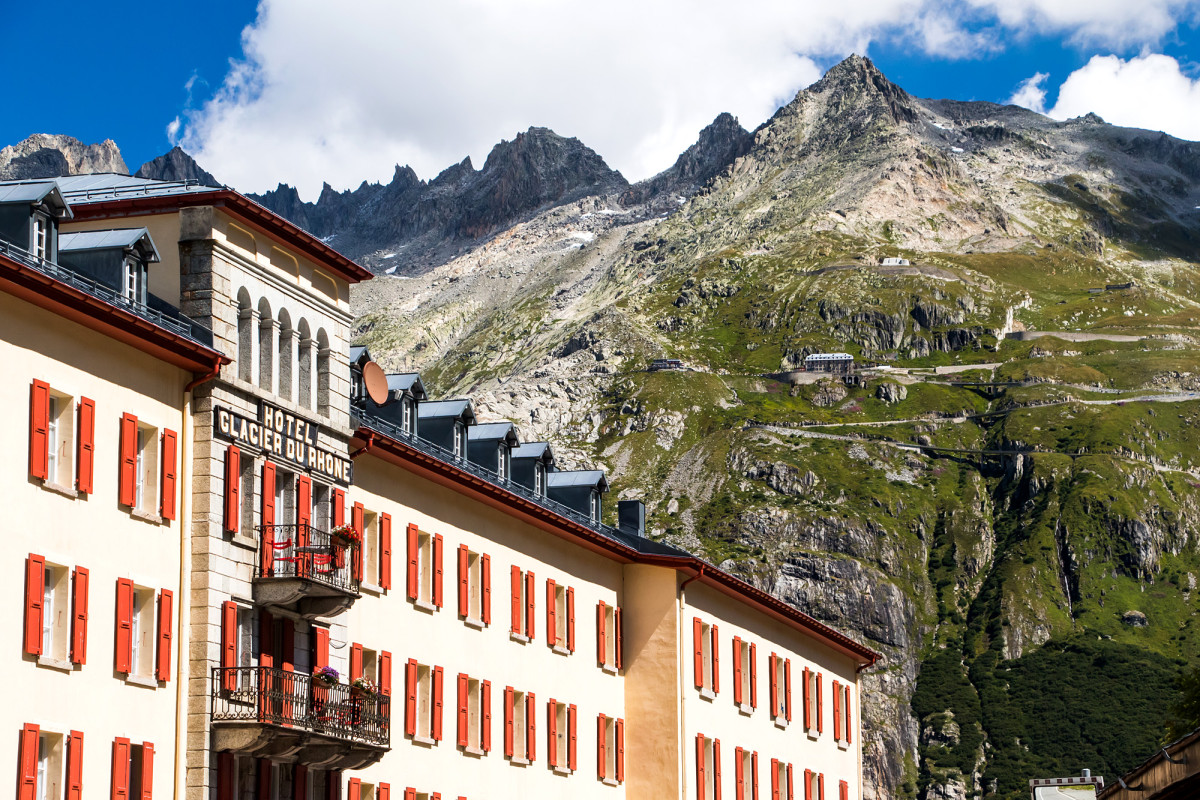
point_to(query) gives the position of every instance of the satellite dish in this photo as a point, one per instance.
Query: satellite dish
(375, 382)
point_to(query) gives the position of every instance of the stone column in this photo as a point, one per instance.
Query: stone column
(268, 335)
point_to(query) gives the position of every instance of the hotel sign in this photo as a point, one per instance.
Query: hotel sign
(285, 437)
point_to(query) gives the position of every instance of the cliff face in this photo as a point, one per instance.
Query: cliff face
(176, 165)
(46, 156)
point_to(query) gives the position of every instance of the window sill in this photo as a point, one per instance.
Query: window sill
(518, 637)
(813, 734)
(58, 488)
(518, 762)
(708, 694)
(560, 650)
(563, 770)
(745, 709)
(241, 540)
(471, 622)
(146, 516)
(843, 745)
(610, 782)
(142, 680)
(370, 588)
(474, 751)
(425, 740)
(424, 605)
(781, 723)
(55, 663)
(609, 668)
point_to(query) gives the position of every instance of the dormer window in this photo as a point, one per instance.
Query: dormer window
(460, 440)
(539, 479)
(134, 285)
(502, 462)
(41, 236)
(595, 506)
(406, 415)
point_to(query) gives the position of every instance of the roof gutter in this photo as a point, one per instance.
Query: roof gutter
(206, 377)
(366, 448)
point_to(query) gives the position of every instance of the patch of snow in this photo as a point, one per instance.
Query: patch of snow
(329, 238)
(587, 215)
(942, 127)
(956, 149)
(388, 255)
(681, 199)
(389, 270)
(585, 236)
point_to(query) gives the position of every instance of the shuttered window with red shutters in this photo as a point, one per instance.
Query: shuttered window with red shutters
(809, 701)
(86, 451)
(27, 762)
(410, 698)
(572, 749)
(552, 732)
(509, 722)
(229, 633)
(620, 626)
(162, 661)
(530, 727)
(485, 588)
(120, 770)
(464, 731)
(701, 768)
(571, 618)
(385, 791)
(303, 507)
(79, 615)
(601, 747)
(837, 711)
(233, 493)
(620, 750)
(843, 790)
(170, 448)
(847, 726)
(820, 703)
(267, 518)
(39, 430)
(385, 673)
(602, 633)
(35, 590)
(436, 728)
(356, 661)
(353, 790)
(123, 650)
(357, 519)
(485, 717)
(787, 688)
(464, 581)
(385, 551)
(753, 675)
(437, 570)
(147, 779)
(127, 466)
(320, 647)
(530, 606)
(551, 612)
(75, 766)
(738, 671)
(414, 554)
(337, 509)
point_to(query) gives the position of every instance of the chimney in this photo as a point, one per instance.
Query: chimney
(631, 517)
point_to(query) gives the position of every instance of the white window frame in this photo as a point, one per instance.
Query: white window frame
(706, 649)
(425, 570)
(133, 287)
(56, 615)
(539, 479)
(142, 632)
(779, 714)
(425, 700)
(146, 470)
(502, 461)
(406, 414)
(710, 768)
(474, 589)
(594, 505)
(746, 674)
(40, 240)
(474, 716)
(562, 739)
(520, 726)
(51, 763)
(610, 637)
(460, 439)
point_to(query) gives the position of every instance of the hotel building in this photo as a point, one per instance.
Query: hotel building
(253, 566)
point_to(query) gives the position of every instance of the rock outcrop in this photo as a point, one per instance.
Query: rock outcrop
(50, 155)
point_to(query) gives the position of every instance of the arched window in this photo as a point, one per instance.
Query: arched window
(304, 350)
(266, 346)
(323, 372)
(287, 338)
(245, 323)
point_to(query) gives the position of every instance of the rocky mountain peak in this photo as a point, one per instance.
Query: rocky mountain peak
(176, 165)
(45, 155)
(720, 143)
(855, 85)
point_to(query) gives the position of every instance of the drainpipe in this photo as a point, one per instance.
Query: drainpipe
(366, 448)
(183, 606)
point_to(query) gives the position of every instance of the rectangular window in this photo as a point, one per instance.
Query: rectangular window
(474, 714)
(55, 612)
(560, 617)
(781, 780)
(474, 587)
(59, 439)
(842, 713)
(539, 479)
(424, 568)
(406, 415)
(609, 636)
(520, 725)
(814, 785)
(524, 605)
(460, 440)
(423, 702)
(135, 281)
(708, 768)
(813, 702)
(41, 236)
(561, 736)
(370, 547)
(142, 632)
(610, 749)
(780, 670)
(706, 658)
(320, 513)
(746, 764)
(146, 470)
(52, 441)
(50, 760)
(745, 673)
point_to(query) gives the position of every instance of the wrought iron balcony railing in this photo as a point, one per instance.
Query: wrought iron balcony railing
(302, 551)
(290, 700)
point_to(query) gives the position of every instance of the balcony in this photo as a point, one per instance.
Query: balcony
(302, 569)
(272, 713)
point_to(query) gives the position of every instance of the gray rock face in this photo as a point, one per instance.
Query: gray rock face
(50, 155)
(890, 392)
(1135, 619)
(719, 145)
(176, 165)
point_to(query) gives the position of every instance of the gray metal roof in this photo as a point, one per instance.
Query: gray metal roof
(404, 382)
(118, 238)
(829, 357)
(533, 450)
(111, 186)
(30, 192)
(492, 431)
(577, 477)
(357, 351)
(446, 408)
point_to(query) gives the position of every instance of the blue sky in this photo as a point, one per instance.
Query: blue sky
(313, 94)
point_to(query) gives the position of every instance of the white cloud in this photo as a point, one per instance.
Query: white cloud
(1149, 91)
(1031, 93)
(342, 92)
(1116, 24)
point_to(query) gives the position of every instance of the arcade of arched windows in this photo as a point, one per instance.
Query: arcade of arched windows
(283, 356)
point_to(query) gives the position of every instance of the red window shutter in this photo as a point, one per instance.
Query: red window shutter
(849, 714)
(225, 775)
(300, 783)
(413, 555)
(620, 750)
(700, 767)
(571, 618)
(79, 615)
(601, 743)
(123, 654)
(463, 739)
(530, 606)
(808, 784)
(385, 672)
(531, 727)
(843, 790)
(464, 582)
(508, 721)
(485, 588)
(229, 634)
(120, 769)
(437, 704)
(28, 770)
(268, 518)
(837, 711)
(353, 790)
(809, 700)
(620, 626)
(87, 445)
(35, 589)
(716, 767)
(233, 503)
(771, 674)
(787, 688)
(385, 551)
(385, 791)
(698, 651)
(485, 724)
(790, 795)
(356, 659)
(127, 472)
(333, 785)
(601, 642)
(716, 663)
(437, 570)
(321, 648)
(39, 430)
(410, 794)
(753, 675)
(821, 786)
(147, 771)
(266, 639)
(737, 670)
(338, 512)
(774, 779)
(551, 613)
(75, 766)
(754, 775)
(410, 698)
(572, 751)
(166, 601)
(357, 515)
(170, 445)
(552, 733)
(303, 505)
(518, 624)
(739, 775)
(820, 703)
